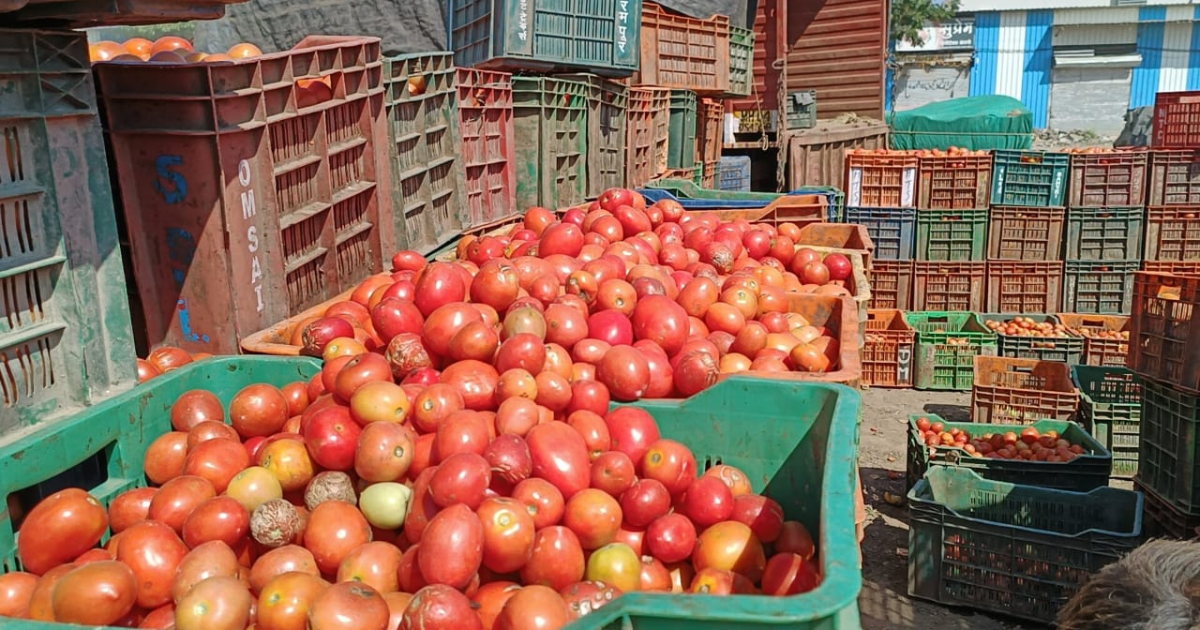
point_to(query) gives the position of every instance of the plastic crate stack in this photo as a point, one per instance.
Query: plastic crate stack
(1172, 229)
(1162, 352)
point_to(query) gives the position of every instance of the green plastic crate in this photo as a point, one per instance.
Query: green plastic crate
(1012, 549)
(1110, 404)
(952, 235)
(1086, 472)
(607, 116)
(1099, 287)
(1169, 445)
(941, 365)
(681, 143)
(1065, 350)
(550, 131)
(65, 336)
(425, 150)
(741, 61)
(1029, 178)
(1105, 233)
(797, 442)
(600, 36)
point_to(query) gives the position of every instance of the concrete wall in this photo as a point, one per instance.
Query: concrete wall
(1092, 98)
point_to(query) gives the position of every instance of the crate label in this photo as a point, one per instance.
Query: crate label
(903, 365)
(908, 191)
(855, 187)
(625, 50)
(1057, 186)
(520, 42)
(252, 239)
(177, 189)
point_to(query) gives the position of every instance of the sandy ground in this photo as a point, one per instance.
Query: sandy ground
(884, 602)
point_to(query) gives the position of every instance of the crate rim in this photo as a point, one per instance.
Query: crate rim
(923, 485)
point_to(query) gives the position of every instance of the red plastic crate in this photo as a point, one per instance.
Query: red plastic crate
(1190, 268)
(646, 134)
(1173, 233)
(1021, 391)
(1174, 178)
(961, 182)
(244, 205)
(1096, 350)
(949, 286)
(1166, 329)
(1177, 120)
(684, 53)
(887, 356)
(880, 181)
(710, 127)
(485, 119)
(891, 284)
(1024, 287)
(1020, 233)
(1107, 180)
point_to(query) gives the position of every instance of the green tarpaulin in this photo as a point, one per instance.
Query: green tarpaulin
(975, 122)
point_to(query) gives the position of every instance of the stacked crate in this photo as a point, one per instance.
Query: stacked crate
(1024, 259)
(1104, 230)
(951, 232)
(1163, 352)
(1172, 242)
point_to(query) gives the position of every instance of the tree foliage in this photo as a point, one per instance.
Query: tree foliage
(910, 16)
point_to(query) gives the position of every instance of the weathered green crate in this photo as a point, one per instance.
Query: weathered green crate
(550, 126)
(952, 235)
(681, 145)
(1012, 549)
(1169, 445)
(941, 364)
(1099, 287)
(1105, 233)
(741, 61)
(607, 116)
(1086, 472)
(65, 336)
(1110, 405)
(1066, 350)
(1029, 178)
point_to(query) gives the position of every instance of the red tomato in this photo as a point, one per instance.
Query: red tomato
(16, 589)
(625, 372)
(475, 381)
(334, 530)
(365, 368)
(632, 431)
(594, 516)
(557, 559)
(560, 456)
(440, 607)
(130, 507)
(284, 602)
(561, 238)
(349, 606)
(384, 452)
(196, 406)
(451, 547)
(207, 560)
(218, 461)
(331, 436)
(164, 457)
(671, 537)
(258, 410)
(789, 574)
(461, 478)
(508, 534)
(613, 473)
(542, 499)
(731, 546)
(279, 561)
(97, 593)
(219, 518)
(375, 564)
(436, 285)
(764, 516)
(154, 552)
(795, 538)
(462, 432)
(671, 463)
(489, 600)
(661, 320)
(645, 501)
(177, 499)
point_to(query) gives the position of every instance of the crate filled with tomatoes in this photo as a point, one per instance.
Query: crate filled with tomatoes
(947, 344)
(1029, 178)
(1035, 336)
(1107, 177)
(955, 179)
(1105, 337)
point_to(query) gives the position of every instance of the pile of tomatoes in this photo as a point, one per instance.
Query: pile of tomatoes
(1027, 327)
(164, 359)
(1027, 443)
(166, 49)
(648, 301)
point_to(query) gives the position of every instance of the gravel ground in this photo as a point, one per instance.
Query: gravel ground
(884, 602)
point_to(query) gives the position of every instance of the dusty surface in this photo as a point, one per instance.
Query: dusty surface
(884, 603)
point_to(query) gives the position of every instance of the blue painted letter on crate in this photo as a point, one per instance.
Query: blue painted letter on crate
(177, 191)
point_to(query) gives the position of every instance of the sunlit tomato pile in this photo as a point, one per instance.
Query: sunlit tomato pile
(1027, 443)
(927, 153)
(1097, 150)
(164, 359)
(166, 49)
(1094, 333)
(353, 502)
(554, 303)
(1026, 327)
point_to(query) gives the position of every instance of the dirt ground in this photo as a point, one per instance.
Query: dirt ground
(884, 602)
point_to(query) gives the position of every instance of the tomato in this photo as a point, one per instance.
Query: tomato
(16, 589)
(334, 530)
(615, 564)
(557, 558)
(219, 518)
(489, 600)
(384, 452)
(439, 607)
(561, 238)
(451, 547)
(281, 560)
(365, 368)
(41, 600)
(285, 601)
(463, 432)
(210, 430)
(59, 528)
(560, 456)
(218, 461)
(154, 552)
(787, 573)
(164, 457)
(461, 478)
(129, 507)
(731, 546)
(736, 480)
(708, 501)
(97, 593)
(196, 406)
(207, 560)
(374, 564)
(436, 285)
(671, 463)
(671, 537)
(434, 404)
(258, 409)
(331, 437)
(288, 460)
(613, 473)
(609, 326)
(475, 381)
(533, 607)
(542, 499)
(625, 372)
(218, 603)
(508, 534)
(795, 538)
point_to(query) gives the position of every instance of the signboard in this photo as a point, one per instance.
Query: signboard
(958, 34)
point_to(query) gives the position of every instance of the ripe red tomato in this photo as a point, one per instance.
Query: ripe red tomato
(763, 515)
(508, 534)
(219, 518)
(365, 368)
(439, 607)
(613, 473)
(154, 552)
(451, 547)
(177, 498)
(331, 436)
(279, 561)
(16, 589)
(610, 326)
(794, 537)
(671, 537)
(258, 409)
(787, 573)
(207, 560)
(708, 501)
(218, 461)
(130, 507)
(560, 456)
(196, 406)
(97, 593)
(561, 238)
(672, 463)
(462, 432)
(164, 457)
(542, 499)
(436, 285)
(475, 381)
(349, 606)
(731, 546)
(594, 516)
(625, 372)
(557, 559)
(334, 530)
(632, 431)
(461, 478)
(385, 451)
(284, 602)
(645, 501)
(375, 564)
(661, 320)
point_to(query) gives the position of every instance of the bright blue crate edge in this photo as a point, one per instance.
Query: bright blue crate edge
(653, 194)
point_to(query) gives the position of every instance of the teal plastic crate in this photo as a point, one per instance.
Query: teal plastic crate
(65, 336)
(1169, 445)
(1012, 549)
(1110, 405)
(681, 143)
(798, 443)
(952, 235)
(550, 127)
(947, 344)
(1029, 178)
(1086, 472)
(425, 150)
(600, 36)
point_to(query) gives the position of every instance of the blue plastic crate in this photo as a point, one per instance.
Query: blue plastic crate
(892, 229)
(734, 173)
(833, 195)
